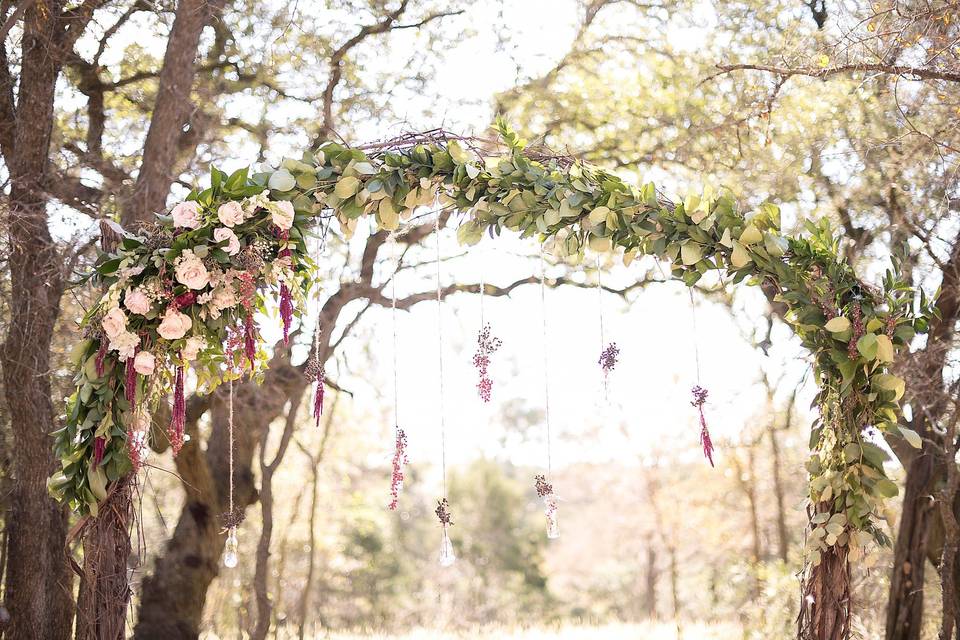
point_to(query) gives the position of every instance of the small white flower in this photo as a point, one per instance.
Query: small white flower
(233, 242)
(125, 344)
(144, 363)
(230, 213)
(114, 322)
(186, 215)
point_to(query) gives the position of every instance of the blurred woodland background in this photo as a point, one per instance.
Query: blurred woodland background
(839, 109)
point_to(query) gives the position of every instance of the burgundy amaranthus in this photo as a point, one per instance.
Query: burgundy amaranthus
(487, 345)
(443, 512)
(286, 299)
(608, 358)
(99, 446)
(179, 417)
(399, 460)
(544, 488)
(248, 290)
(316, 372)
(101, 354)
(699, 399)
(857, 332)
(130, 384)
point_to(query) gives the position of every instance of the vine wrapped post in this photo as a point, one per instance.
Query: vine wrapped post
(852, 330)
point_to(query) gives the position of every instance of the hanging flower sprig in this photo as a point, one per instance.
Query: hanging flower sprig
(444, 515)
(399, 460)
(315, 371)
(550, 505)
(609, 357)
(487, 345)
(700, 399)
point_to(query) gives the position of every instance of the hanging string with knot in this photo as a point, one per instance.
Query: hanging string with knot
(546, 361)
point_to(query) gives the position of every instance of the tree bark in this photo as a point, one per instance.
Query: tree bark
(905, 603)
(171, 110)
(825, 610)
(173, 596)
(38, 580)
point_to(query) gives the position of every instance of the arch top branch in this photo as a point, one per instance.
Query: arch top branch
(186, 288)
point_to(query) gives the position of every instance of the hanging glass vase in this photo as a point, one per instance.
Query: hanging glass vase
(230, 557)
(552, 511)
(447, 556)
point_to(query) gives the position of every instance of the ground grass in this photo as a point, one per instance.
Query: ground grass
(647, 631)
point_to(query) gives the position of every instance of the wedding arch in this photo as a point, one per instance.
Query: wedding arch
(183, 293)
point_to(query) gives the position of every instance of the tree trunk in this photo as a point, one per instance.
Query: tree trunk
(825, 609)
(648, 599)
(104, 585)
(783, 532)
(905, 604)
(173, 596)
(39, 584)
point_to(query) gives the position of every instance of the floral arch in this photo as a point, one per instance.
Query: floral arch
(183, 293)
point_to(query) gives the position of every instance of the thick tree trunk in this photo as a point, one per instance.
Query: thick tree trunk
(38, 580)
(648, 598)
(171, 111)
(104, 585)
(825, 610)
(173, 596)
(905, 604)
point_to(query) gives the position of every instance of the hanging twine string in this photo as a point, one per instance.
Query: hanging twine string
(546, 362)
(603, 343)
(696, 342)
(443, 433)
(393, 321)
(230, 432)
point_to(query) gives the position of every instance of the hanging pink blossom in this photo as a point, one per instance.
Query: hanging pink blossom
(316, 372)
(487, 345)
(443, 512)
(250, 339)
(179, 417)
(286, 300)
(608, 358)
(544, 488)
(399, 460)
(699, 399)
(101, 354)
(99, 446)
(286, 311)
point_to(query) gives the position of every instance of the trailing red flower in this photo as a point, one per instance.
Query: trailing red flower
(487, 345)
(250, 339)
(130, 383)
(101, 354)
(179, 417)
(286, 311)
(443, 512)
(99, 446)
(699, 399)
(317, 373)
(399, 460)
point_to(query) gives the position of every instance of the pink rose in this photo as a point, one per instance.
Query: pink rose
(192, 348)
(125, 344)
(230, 213)
(114, 322)
(144, 363)
(192, 273)
(136, 301)
(186, 215)
(281, 212)
(233, 243)
(174, 324)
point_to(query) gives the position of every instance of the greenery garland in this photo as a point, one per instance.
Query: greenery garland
(236, 230)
